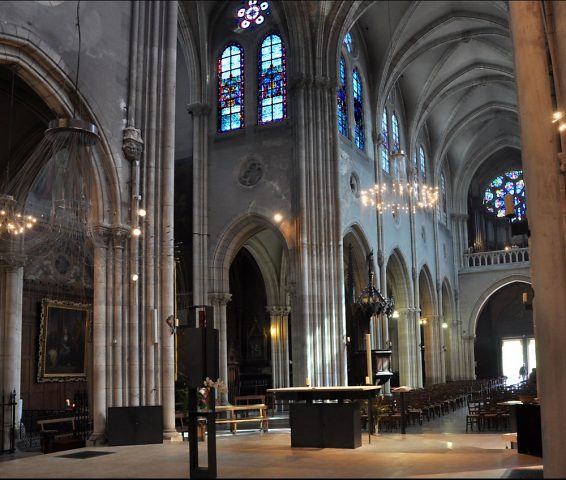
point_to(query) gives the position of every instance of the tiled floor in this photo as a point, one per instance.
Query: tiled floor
(440, 448)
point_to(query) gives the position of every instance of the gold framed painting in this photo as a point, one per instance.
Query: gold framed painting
(62, 341)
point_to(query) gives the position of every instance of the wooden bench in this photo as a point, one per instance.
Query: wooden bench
(58, 434)
(240, 414)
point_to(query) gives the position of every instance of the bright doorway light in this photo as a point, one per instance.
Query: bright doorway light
(512, 359)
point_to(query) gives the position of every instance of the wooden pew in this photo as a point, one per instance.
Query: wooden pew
(236, 414)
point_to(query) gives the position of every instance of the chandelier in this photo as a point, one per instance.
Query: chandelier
(400, 194)
(13, 222)
(371, 298)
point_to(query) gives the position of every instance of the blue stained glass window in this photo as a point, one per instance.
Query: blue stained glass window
(342, 108)
(512, 183)
(272, 91)
(231, 88)
(395, 133)
(348, 42)
(358, 110)
(385, 143)
(422, 163)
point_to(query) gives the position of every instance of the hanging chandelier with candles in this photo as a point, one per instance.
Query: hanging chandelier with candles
(13, 222)
(400, 194)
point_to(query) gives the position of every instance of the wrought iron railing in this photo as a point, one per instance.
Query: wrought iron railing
(8, 422)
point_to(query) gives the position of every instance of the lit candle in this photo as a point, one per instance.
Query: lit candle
(308, 381)
(367, 381)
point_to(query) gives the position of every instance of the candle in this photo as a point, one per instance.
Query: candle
(525, 297)
(368, 354)
(367, 381)
(308, 381)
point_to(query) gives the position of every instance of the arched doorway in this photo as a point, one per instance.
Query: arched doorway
(248, 329)
(504, 331)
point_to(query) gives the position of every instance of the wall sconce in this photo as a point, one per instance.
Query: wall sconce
(346, 340)
(395, 314)
(528, 306)
(136, 231)
(444, 325)
(422, 321)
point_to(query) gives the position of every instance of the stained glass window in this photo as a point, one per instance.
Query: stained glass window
(272, 91)
(509, 183)
(342, 109)
(231, 88)
(385, 143)
(422, 163)
(252, 14)
(395, 133)
(348, 42)
(358, 110)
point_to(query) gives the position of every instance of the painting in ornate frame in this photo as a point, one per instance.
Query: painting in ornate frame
(62, 341)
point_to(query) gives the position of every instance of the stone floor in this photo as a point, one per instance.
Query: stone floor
(440, 448)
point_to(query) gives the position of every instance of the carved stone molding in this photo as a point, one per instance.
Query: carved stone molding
(198, 109)
(278, 310)
(119, 236)
(11, 262)
(219, 299)
(132, 144)
(102, 235)
(251, 171)
(377, 137)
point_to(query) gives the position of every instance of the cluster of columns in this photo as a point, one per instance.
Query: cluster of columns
(11, 284)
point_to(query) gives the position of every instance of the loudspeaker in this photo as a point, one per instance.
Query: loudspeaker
(197, 355)
(135, 425)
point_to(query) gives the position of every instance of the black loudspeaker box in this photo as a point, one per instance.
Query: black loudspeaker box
(197, 355)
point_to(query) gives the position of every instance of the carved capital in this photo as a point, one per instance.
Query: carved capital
(132, 143)
(377, 137)
(219, 299)
(119, 235)
(198, 109)
(11, 262)
(102, 235)
(300, 81)
(278, 310)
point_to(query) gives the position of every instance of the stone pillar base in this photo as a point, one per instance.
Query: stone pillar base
(96, 440)
(172, 437)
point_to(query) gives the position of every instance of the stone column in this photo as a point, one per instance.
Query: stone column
(219, 301)
(409, 351)
(546, 215)
(433, 350)
(200, 113)
(279, 320)
(166, 235)
(133, 149)
(99, 312)
(468, 356)
(119, 237)
(11, 289)
(320, 317)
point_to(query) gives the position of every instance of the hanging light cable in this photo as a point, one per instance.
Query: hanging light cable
(12, 221)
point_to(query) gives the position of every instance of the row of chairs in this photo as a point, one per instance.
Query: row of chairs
(432, 401)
